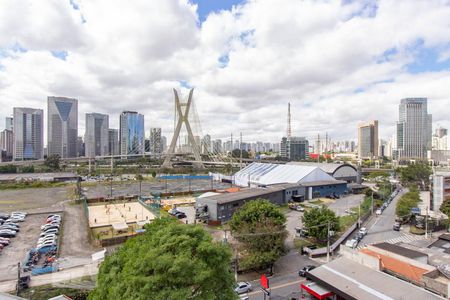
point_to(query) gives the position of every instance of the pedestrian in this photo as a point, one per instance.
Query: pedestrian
(135, 216)
(95, 220)
(129, 208)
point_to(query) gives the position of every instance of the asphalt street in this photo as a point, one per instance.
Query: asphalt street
(380, 227)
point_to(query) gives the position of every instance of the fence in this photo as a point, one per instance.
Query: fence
(173, 177)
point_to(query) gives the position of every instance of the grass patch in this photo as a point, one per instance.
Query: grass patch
(316, 202)
(346, 221)
(415, 230)
(45, 292)
(31, 184)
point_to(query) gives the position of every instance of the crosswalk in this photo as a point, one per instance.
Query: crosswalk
(403, 238)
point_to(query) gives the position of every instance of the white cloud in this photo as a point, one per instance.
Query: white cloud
(338, 64)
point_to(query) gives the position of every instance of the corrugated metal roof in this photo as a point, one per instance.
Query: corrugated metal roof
(330, 168)
(400, 250)
(266, 174)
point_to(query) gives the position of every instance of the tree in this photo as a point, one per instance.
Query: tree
(153, 173)
(260, 226)
(169, 261)
(406, 202)
(52, 162)
(236, 153)
(415, 174)
(316, 221)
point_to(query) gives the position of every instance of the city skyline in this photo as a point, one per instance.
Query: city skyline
(244, 69)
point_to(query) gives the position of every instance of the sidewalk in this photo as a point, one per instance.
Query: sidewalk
(64, 275)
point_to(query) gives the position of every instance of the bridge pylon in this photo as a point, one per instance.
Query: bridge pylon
(183, 117)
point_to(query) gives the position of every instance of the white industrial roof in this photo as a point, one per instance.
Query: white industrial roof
(330, 168)
(257, 174)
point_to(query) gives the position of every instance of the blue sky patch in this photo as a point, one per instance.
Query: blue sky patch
(205, 7)
(59, 54)
(224, 60)
(426, 60)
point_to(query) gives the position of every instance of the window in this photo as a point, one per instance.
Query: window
(235, 204)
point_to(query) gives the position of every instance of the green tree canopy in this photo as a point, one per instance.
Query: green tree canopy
(169, 261)
(52, 162)
(260, 226)
(237, 153)
(415, 174)
(406, 202)
(316, 221)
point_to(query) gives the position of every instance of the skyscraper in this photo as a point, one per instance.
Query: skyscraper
(368, 140)
(62, 126)
(413, 129)
(6, 144)
(217, 146)
(132, 139)
(28, 133)
(206, 144)
(113, 141)
(294, 148)
(9, 123)
(439, 140)
(96, 136)
(155, 141)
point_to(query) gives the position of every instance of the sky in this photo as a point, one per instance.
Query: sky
(338, 63)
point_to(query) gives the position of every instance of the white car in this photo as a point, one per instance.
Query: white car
(378, 212)
(351, 243)
(49, 225)
(243, 287)
(363, 230)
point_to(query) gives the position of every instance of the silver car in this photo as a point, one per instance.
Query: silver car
(243, 287)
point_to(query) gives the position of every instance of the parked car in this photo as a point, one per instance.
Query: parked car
(7, 233)
(15, 219)
(351, 243)
(180, 215)
(243, 287)
(305, 270)
(396, 226)
(9, 227)
(51, 230)
(359, 236)
(378, 212)
(49, 225)
(44, 244)
(173, 211)
(363, 230)
(244, 297)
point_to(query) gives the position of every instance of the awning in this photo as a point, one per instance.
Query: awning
(120, 226)
(98, 255)
(142, 223)
(316, 290)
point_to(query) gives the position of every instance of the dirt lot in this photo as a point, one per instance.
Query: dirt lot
(25, 239)
(33, 199)
(132, 187)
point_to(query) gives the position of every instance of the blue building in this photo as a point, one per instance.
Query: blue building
(131, 138)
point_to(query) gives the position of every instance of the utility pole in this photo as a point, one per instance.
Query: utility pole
(328, 241)
(326, 146)
(372, 202)
(240, 158)
(89, 166)
(18, 279)
(426, 223)
(318, 148)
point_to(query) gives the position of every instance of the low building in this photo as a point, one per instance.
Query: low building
(439, 157)
(221, 206)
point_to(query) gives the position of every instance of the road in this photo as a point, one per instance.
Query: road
(380, 227)
(280, 287)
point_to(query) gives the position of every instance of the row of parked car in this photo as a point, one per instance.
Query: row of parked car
(176, 213)
(9, 227)
(49, 232)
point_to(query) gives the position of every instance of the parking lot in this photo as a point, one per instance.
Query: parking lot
(16, 251)
(339, 206)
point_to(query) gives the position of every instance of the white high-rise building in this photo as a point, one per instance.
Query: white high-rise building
(113, 141)
(9, 123)
(217, 146)
(96, 137)
(62, 126)
(28, 133)
(439, 139)
(413, 129)
(206, 144)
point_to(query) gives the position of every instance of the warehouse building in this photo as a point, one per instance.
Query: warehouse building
(221, 206)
